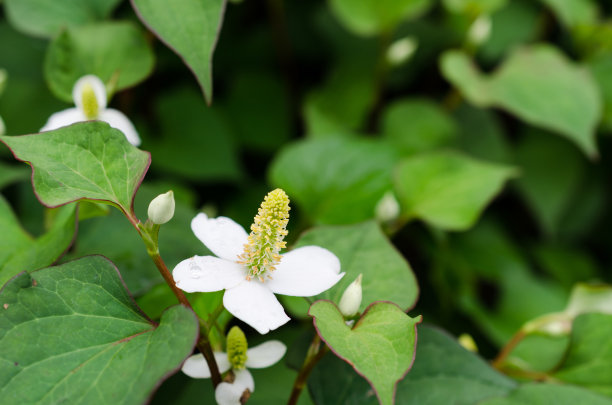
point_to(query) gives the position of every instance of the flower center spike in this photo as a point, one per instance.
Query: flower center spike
(236, 348)
(90, 102)
(261, 253)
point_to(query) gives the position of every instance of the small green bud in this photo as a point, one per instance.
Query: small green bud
(161, 209)
(351, 299)
(480, 30)
(467, 342)
(236, 348)
(401, 50)
(387, 209)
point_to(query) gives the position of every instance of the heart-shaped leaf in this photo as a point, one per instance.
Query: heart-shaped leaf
(539, 85)
(380, 347)
(194, 38)
(106, 50)
(87, 160)
(447, 189)
(364, 249)
(19, 251)
(73, 334)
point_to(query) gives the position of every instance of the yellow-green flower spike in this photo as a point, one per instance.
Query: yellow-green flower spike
(261, 253)
(90, 102)
(236, 348)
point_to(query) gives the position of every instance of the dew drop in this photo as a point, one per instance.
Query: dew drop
(195, 270)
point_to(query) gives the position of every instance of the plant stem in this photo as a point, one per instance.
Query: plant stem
(508, 348)
(316, 351)
(149, 233)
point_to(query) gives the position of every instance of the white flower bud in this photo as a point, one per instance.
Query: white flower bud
(2, 128)
(480, 30)
(161, 209)
(351, 299)
(387, 209)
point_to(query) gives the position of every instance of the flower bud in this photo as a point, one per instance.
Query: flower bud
(468, 343)
(401, 50)
(480, 30)
(236, 348)
(161, 209)
(351, 299)
(387, 209)
(2, 128)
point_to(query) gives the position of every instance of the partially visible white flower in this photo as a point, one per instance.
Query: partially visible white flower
(238, 358)
(89, 95)
(161, 208)
(251, 269)
(351, 299)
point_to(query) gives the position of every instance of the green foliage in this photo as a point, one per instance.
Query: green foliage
(113, 51)
(447, 189)
(380, 346)
(46, 19)
(539, 85)
(194, 38)
(83, 161)
(21, 251)
(335, 181)
(93, 344)
(363, 249)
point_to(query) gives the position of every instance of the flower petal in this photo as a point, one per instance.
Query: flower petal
(252, 302)
(98, 87)
(229, 394)
(221, 235)
(265, 354)
(196, 367)
(207, 273)
(118, 120)
(63, 118)
(305, 272)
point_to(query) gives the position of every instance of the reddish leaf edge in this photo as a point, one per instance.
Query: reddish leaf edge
(129, 215)
(420, 320)
(140, 311)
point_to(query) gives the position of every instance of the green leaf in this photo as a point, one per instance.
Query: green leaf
(447, 189)
(19, 250)
(194, 38)
(364, 249)
(574, 13)
(537, 394)
(73, 334)
(335, 181)
(539, 85)
(107, 50)
(381, 346)
(589, 358)
(600, 68)
(193, 140)
(88, 160)
(446, 373)
(370, 17)
(46, 18)
(417, 125)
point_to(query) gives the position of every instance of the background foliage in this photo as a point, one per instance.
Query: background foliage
(493, 145)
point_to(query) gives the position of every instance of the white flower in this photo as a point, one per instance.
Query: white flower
(261, 356)
(89, 95)
(250, 269)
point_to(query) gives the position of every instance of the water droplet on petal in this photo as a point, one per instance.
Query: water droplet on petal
(195, 271)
